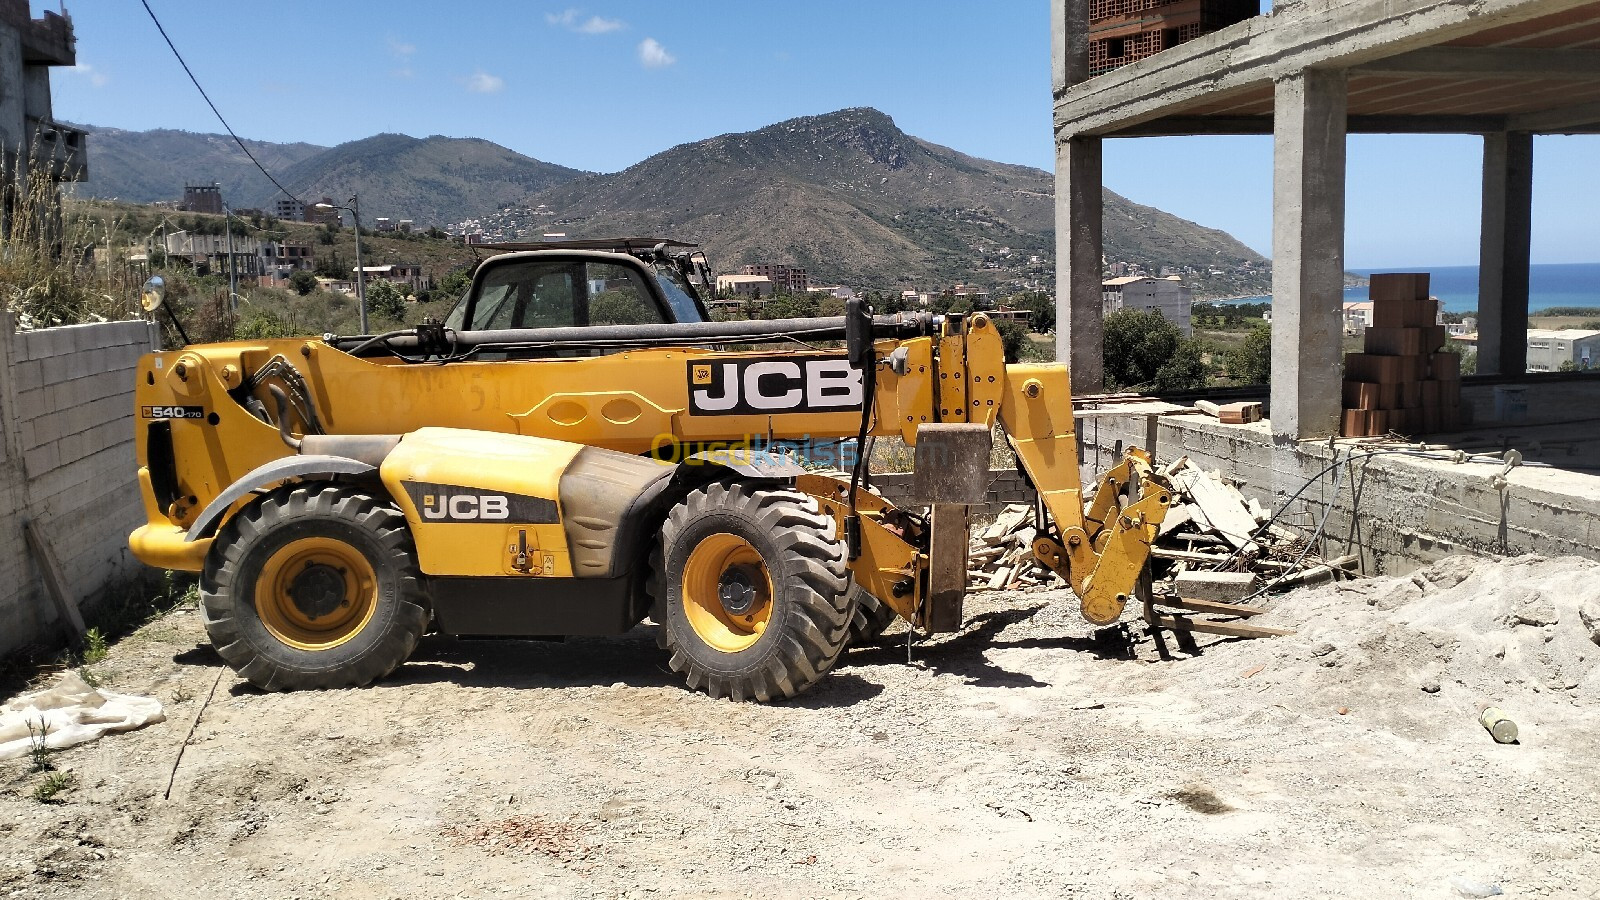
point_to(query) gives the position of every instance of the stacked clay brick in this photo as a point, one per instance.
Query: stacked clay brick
(1403, 383)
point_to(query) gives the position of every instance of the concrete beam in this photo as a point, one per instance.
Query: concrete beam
(1324, 34)
(1080, 313)
(1584, 119)
(1503, 254)
(1490, 62)
(1308, 254)
(1172, 126)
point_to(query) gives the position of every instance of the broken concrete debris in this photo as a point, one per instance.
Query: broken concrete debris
(1214, 546)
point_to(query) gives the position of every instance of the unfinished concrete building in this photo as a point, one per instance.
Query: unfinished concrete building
(1309, 74)
(30, 137)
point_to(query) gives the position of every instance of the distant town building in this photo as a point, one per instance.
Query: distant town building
(282, 260)
(1548, 349)
(400, 273)
(28, 49)
(1467, 325)
(1168, 296)
(756, 286)
(209, 252)
(838, 292)
(1357, 316)
(289, 209)
(323, 213)
(786, 279)
(383, 223)
(202, 198)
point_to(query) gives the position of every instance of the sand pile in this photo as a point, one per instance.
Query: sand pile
(1463, 633)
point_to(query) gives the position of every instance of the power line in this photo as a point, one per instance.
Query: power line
(213, 106)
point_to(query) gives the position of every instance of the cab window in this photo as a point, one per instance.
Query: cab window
(618, 296)
(528, 295)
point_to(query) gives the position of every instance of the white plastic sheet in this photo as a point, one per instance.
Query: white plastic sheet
(73, 713)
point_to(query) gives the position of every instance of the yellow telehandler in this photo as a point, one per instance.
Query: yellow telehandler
(578, 447)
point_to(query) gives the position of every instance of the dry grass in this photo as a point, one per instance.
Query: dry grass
(44, 277)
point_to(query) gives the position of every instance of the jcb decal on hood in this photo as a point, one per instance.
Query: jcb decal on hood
(755, 386)
(454, 503)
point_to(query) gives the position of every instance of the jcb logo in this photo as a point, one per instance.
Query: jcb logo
(466, 507)
(462, 503)
(757, 386)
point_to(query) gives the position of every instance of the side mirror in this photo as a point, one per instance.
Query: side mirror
(154, 291)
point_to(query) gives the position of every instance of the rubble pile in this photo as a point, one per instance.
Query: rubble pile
(1211, 529)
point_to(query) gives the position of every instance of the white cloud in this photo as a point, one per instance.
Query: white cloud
(482, 82)
(401, 49)
(572, 20)
(654, 56)
(597, 25)
(95, 76)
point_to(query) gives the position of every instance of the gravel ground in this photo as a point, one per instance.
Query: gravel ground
(1020, 758)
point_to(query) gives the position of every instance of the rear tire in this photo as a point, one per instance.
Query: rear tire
(751, 591)
(314, 586)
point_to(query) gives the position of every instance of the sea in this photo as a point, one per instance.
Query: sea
(1552, 284)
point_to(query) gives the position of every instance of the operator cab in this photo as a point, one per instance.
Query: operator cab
(619, 281)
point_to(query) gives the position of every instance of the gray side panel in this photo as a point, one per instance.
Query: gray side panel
(272, 473)
(603, 495)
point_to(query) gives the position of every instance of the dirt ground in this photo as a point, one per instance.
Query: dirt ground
(1021, 758)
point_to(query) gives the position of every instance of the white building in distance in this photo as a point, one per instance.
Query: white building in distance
(1168, 296)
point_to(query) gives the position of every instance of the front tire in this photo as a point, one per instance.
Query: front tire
(751, 591)
(315, 586)
(870, 618)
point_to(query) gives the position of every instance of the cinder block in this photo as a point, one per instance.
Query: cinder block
(42, 458)
(26, 375)
(1445, 366)
(1219, 587)
(56, 368)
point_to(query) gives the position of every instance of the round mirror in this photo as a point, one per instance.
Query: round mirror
(154, 290)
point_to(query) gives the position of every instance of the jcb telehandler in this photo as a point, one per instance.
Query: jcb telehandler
(577, 448)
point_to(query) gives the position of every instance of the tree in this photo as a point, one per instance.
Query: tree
(1145, 351)
(616, 308)
(1041, 309)
(1251, 363)
(1016, 341)
(385, 300)
(303, 282)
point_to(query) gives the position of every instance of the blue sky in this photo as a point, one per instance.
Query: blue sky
(602, 86)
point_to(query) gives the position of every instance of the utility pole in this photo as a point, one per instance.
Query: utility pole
(361, 272)
(233, 273)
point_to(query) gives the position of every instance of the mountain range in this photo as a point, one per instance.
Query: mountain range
(848, 195)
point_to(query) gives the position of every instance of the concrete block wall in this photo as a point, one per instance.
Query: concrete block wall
(1005, 487)
(1409, 511)
(68, 412)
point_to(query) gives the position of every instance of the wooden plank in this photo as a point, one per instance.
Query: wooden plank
(1212, 606)
(55, 583)
(1228, 629)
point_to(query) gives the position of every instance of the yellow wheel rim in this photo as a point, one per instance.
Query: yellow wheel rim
(727, 592)
(316, 593)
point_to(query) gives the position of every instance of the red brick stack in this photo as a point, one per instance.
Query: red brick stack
(1403, 382)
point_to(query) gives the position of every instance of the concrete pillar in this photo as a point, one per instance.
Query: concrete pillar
(1503, 253)
(1308, 161)
(1080, 317)
(1080, 325)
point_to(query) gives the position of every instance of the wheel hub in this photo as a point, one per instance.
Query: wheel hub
(318, 590)
(737, 590)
